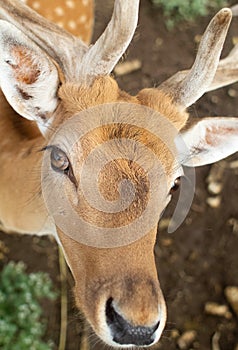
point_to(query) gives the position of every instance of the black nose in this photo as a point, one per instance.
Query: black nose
(124, 333)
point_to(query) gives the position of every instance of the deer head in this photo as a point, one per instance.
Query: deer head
(52, 78)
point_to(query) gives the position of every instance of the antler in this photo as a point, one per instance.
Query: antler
(227, 71)
(105, 53)
(76, 60)
(226, 74)
(187, 87)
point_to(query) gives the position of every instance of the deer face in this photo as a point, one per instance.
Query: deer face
(110, 159)
(109, 151)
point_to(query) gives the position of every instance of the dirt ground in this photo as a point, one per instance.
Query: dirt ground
(198, 261)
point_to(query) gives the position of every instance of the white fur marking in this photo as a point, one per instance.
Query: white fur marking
(70, 4)
(36, 5)
(60, 24)
(83, 19)
(72, 24)
(59, 11)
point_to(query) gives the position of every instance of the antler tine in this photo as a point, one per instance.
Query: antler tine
(227, 71)
(105, 53)
(63, 47)
(226, 74)
(187, 87)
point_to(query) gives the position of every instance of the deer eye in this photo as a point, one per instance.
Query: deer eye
(59, 160)
(61, 163)
(176, 185)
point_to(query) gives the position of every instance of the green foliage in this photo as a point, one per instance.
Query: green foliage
(188, 10)
(20, 311)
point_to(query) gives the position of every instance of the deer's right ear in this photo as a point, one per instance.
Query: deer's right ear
(28, 78)
(207, 141)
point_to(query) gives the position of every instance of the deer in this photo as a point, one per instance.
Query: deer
(50, 78)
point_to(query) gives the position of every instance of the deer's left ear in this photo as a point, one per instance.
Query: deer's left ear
(28, 78)
(209, 140)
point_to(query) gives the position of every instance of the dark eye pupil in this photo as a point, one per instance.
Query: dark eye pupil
(61, 164)
(176, 185)
(59, 160)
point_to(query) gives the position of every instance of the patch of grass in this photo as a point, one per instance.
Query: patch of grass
(187, 10)
(21, 326)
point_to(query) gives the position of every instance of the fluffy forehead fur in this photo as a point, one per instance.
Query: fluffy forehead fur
(76, 98)
(128, 161)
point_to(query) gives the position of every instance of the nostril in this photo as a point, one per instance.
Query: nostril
(113, 317)
(125, 333)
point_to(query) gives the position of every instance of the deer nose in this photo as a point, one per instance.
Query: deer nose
(125, 333)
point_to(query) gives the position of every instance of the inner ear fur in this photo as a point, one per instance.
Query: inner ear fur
(29, 78)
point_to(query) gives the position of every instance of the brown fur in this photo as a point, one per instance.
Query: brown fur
(77, 18)
(105, 89)
(96, 280)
